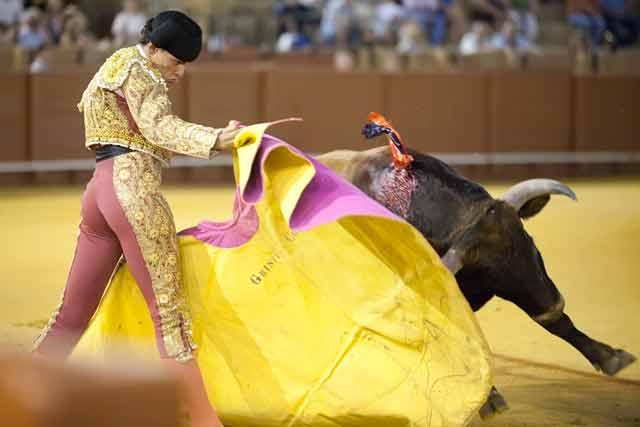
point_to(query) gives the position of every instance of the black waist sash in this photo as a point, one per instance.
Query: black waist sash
(108, 151)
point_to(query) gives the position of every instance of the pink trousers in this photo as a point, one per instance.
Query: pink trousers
(123, 213)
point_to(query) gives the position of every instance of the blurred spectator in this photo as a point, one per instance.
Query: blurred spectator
(389, 15)
(293, 38)
(303, 14)
(42, 60)
(431, 16)
(586, 15)
(477, 40)
(411, 39)
(75, 31)
(621, 21)
(39, 4)
(525, 15)
(32, 35)
(457, 20)
(314, 4)
(339, 24)
(510, 38)
(55, 19)
(492, 12)
(128, 24)
(365, 15)
(10, 11)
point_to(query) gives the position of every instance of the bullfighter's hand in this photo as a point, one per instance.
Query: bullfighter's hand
(228, 135)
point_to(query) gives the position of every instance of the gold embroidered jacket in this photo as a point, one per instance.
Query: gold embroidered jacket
(127, 104)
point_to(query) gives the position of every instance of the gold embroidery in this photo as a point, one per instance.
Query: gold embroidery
(148, 126)
(150, 107)
(115, 71)
(117, 67)
(52, 321)
(106, 123)
(147, 215)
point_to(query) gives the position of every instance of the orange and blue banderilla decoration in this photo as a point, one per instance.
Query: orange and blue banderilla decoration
(378, 125)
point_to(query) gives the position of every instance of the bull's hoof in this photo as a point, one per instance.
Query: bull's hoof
(495, 404)
(620, 360)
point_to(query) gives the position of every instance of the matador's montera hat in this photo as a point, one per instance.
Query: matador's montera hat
(176, 33)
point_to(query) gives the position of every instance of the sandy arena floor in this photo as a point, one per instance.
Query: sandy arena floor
(591, 249)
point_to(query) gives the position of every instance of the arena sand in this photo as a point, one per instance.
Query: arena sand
(591, 250)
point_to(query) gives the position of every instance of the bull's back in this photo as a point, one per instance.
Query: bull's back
(443, 200)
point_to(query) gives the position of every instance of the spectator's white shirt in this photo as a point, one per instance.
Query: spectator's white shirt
(10, 11)
(472, 43)
(335, 13)
(519, 42)
(421, 4)
(39, 65)
(285, 42)
(310, 3)
(385, 14)
(128, 25)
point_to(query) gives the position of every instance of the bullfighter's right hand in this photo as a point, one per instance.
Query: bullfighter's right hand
(228, 135)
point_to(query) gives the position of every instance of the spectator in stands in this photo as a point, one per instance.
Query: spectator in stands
(388, 18)
(39, 4)
(510, 38)
(477, 40)
(524, 13)
(32, 36)
(293, 38)
(432, 17)
(586, 16)
(128, 24)
(7, 35)
(75, 31)
(411, 38)
(42, 60)
(303, 13)
(339, 26)
(621, 21)
(10, 12)
(55, 19)
(491, 12)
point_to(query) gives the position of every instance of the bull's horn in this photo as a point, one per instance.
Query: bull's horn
(524, 191)
(452, 261)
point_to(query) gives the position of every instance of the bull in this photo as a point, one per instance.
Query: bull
(480, 239)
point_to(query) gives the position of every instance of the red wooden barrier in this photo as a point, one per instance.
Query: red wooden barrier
(607, 113)
(333, 105)
(530, 111)
(440, 112)
(57, 131)
(13, 117)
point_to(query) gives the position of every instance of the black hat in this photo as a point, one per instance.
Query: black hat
(176, 33)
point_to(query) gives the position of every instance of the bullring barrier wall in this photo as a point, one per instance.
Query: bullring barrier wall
(494, 112)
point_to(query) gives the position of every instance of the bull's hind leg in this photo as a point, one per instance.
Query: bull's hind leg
(603, 357)
(546, 306)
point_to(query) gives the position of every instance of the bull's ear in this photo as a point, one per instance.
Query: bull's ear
(533, 206)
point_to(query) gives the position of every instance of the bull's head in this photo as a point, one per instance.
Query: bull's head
(497, 233)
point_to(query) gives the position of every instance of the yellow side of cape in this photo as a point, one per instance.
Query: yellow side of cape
(352, 323)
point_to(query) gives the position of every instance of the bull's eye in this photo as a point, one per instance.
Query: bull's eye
(492, 211)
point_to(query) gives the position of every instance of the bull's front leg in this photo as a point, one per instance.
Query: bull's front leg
(602, 356)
